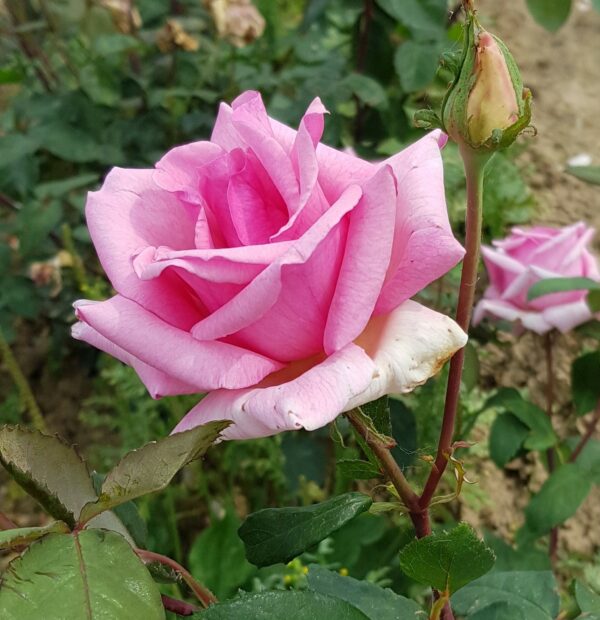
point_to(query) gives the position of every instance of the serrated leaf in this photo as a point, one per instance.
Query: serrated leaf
(507, 436)
(551, 15)
(276, 535)
(89, 575)
(447, 561)
(374, 602)
(355, 469)
(217, 557)
(10, 539)
(589, 174)
(558, 499)
(152, 467)
(291, 605)
(48, 469)
(561, 285)
(534, 593)
(585, 374)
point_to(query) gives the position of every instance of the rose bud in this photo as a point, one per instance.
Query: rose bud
(486, 106)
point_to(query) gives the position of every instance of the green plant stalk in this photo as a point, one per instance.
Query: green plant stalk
(19, 379)
(591, 427)
(474, 164)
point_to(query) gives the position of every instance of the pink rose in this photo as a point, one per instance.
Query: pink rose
(528, 255)
(273, 272)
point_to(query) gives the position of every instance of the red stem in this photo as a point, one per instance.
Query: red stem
(474, 166)
(6, 523)
(181, 608)
(203, 594)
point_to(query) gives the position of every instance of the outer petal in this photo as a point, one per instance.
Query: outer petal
(128, 213)
(157, 382)
(310, 401)
(396, 353)
(424, 246)
(141, 334)
(366, 261)
(568, 316)
(533, 321)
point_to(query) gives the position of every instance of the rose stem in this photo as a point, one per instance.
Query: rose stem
(593, 423)
(181, 608)
(389, 465)
(203, 594)
(474, 164)
(550, 453)
(361, 59)
(27, 397)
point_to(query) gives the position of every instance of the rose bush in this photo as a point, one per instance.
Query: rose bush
(528, 255)
(273, 272)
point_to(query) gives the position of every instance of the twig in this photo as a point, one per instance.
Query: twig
(203, 594)
(589, 431)
(19, 379)
(178, 607)
(361, 59)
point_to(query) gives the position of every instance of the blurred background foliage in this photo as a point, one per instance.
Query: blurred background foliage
(90, 84)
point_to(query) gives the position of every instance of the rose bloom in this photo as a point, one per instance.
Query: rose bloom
(273, 272)
(527, 256)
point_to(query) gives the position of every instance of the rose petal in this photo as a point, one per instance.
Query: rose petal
(129, 213)
(533, 321)
(261, 314)
(568, 316)
(402, 351)
(424, 246)
(157, 382)
(205, 365)
(365, 263)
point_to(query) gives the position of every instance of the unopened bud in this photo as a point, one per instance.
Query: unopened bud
(486, 107)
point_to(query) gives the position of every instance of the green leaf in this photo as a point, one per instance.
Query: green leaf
(9, 539)
(561, 285)
(374, 602)
(16, 146)
(507, 436)
(291, 605)
(368, 90)
(58, 189)
(217, 557)
(588, 600)
(90, 575)
(551, 14)
(277, 535)
(152, 467)
(355, 469)
(558, 499)
(533, 593)
(541, 434)
(590, 174)
(416, 64)
(425, 18)
(501, 610)
(49, 470)
(447, 561)
(379, 413)
(522, 558)
(588, 460)
(585, 374)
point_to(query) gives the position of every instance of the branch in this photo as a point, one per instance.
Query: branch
(593, 423)
(181, 608)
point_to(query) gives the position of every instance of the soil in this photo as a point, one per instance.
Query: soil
(563, 73)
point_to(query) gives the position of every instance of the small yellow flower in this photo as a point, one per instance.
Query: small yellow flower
(343, 572)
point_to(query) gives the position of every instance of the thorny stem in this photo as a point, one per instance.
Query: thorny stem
(203, 594)
(550, 453)
(592, 425)
(19, 379)
(474, 168)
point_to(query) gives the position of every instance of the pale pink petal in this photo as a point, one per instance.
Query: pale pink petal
(424, 246)
(566, 317)
(533, 321)
(129, 213)
(408, 346)
(402, 351)
(157, 382)
(365, 263)
(310, 401)
(502, 269)
(205, 365)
